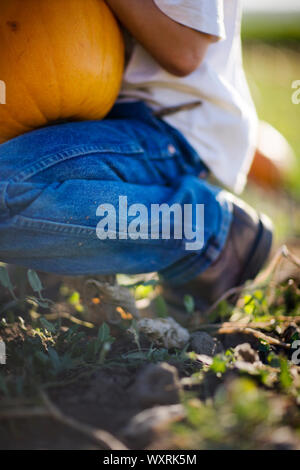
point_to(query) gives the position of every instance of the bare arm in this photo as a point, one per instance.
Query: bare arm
(177, 48)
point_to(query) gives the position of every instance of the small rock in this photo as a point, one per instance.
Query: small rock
(284, 439)
(289, 332)
(165, 332)
(245, 353)
(250, 368)
(157, 384)
(145, 425)
(203, 343)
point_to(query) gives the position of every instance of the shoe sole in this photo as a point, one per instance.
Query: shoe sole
(260, 250)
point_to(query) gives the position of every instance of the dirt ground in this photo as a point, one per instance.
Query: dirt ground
(72, 383)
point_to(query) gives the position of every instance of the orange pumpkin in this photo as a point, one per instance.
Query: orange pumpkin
(274, 158)
(60, 59)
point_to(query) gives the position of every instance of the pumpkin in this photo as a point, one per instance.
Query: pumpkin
(60, 60)
(274, 159)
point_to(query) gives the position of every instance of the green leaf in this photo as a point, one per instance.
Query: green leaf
(139, 355)
(104, 333)
(264, 347)
(67, 361)
(161, 307)
(41, 357)
(135, 332)
(34, 281)
(104, 351)
(189, 304)
(74, 298)
(295, 337)
(4, 278)
(54, 358)
(285, 375)
(142, 292)
(5, 281)
(47, 325)
(273, 360)
(219, 365)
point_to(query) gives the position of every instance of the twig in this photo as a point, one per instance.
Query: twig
(100, 437)
(254, 325)
(24, 413)
(268, 273)
(217, 326)
(290, 256)
(291, 319)
(68, 316)
(250, 331)
(235, 290)
(249, 328)
(261, 279)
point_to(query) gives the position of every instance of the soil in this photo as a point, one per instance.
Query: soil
(134, 400)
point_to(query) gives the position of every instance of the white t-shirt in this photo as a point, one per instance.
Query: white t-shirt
(223, 130)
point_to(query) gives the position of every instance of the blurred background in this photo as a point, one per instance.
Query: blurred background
(271, 49)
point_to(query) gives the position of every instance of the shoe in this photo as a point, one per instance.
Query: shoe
(245, 253)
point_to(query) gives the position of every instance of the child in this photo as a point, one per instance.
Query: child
(184, 111)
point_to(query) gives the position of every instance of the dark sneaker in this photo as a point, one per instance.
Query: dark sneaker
(246, 251)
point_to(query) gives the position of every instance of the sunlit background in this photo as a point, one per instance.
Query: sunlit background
(271, 48)
(272, 5)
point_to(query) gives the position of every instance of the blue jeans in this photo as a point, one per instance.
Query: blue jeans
(52, 181)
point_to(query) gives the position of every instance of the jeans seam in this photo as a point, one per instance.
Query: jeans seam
(49, 160)
(27, 223)
(3, 193)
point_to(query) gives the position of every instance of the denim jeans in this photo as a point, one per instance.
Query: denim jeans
(52, 180)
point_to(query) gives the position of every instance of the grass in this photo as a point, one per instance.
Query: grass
(271, 70)
(272, 27)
